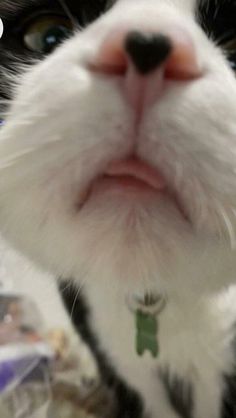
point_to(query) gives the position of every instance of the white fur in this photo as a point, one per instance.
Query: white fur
(64, 126)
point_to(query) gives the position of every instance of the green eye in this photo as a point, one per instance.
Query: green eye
(46, 32)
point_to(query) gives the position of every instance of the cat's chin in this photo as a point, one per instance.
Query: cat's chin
(134, 197)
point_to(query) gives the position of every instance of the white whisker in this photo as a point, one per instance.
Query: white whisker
(225, 217)
(75, 299)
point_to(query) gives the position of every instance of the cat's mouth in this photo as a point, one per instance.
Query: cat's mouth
(134, 173)
(134, 177)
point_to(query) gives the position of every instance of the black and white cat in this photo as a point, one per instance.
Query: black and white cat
(118, 170)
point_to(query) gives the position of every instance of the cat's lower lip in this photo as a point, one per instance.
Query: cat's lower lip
(132, 178)
(134, 172)
(123, 184)
(130, 175)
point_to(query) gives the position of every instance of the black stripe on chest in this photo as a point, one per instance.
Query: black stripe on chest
(229, 400)
(179, 393)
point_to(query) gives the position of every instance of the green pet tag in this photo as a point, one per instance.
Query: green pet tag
(146, 312)
(146, 333)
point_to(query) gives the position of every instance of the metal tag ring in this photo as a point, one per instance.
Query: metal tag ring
(155, 308)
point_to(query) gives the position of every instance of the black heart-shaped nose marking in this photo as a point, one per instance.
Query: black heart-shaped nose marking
(147, 51)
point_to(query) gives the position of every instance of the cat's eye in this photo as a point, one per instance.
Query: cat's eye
(46, 32)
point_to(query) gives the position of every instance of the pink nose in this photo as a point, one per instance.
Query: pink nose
(147, 52)
(145, 61)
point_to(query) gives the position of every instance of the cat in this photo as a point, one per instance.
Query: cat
(118, 174)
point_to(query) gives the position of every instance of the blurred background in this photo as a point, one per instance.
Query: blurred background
(46, 371)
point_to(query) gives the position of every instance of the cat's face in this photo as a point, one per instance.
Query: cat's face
(85, 106)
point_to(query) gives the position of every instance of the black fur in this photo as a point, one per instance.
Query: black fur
(180, 394)
(229, 399)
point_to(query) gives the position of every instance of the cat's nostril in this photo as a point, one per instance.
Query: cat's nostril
(147, 51)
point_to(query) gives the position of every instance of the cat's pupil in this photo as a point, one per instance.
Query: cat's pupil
(54, 36)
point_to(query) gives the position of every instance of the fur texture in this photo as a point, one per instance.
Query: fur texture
(64, 125)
